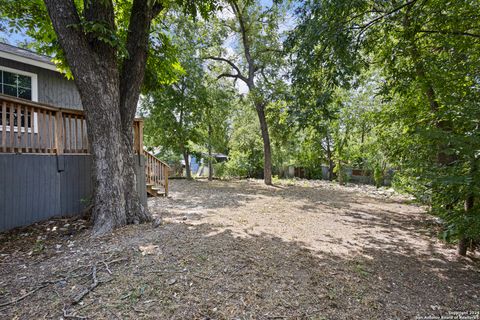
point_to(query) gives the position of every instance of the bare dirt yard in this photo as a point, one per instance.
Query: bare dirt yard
(242, 250)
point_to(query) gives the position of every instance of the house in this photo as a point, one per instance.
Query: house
(45, 165)
(199, 165)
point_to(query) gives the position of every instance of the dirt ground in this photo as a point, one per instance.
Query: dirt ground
(242, 250)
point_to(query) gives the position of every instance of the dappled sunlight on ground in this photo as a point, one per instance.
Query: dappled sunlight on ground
(338, 220)
(241, 250)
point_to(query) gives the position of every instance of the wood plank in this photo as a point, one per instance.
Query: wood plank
(48, 122)
(39, 133)
(13, 100)
(27, 134)
(82, 138)
(75, 134)
(86, 137)
(71, 134)
(43, 133)
(19, 129)
(140, 137)
(64, 123)
(51, 139)
(4, 126)
(34, 135)
(59, 132)
(166, 181)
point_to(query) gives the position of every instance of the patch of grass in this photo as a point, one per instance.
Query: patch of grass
(38, 247)
(361, 269)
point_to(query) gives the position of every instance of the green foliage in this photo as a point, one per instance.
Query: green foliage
(378, 176)
(30, 17)
(425, 57)
(246, 147)
(188, 113)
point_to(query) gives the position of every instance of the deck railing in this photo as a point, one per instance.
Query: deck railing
(31, 127)
(156, 172)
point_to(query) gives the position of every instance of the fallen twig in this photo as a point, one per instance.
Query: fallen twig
(24, 296)
(106, 267)
(71, 315)
(94, 284)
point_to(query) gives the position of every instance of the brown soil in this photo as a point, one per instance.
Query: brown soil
(242, 250)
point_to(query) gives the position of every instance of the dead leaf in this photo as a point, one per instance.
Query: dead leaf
(148, 249)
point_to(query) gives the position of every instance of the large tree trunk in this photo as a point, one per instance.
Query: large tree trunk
(109, 206)
(331, 163)
(469, 204)
(188, 171)
(109, 94)
(464, 242)
(135, 210)
(131, 79)
(267, 154)
(210, 166)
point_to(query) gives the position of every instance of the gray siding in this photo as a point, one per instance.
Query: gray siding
(53, 87)
(37, 187)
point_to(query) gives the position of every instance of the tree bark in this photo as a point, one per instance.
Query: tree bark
(210, 165)
(132, 74)
(331, 163)
(469, 204)
(108, 101)
(464, 242)
(267, 154)
(250, 82)
(188, 172)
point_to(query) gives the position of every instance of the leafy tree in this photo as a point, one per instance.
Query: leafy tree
(245, 146)
(257, 59)
(427, 53)
(219, 100)
(105, 45)
(190, 113)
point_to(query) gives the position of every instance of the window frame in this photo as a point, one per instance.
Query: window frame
(34, 82)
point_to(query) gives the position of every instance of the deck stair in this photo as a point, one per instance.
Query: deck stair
(156, 172)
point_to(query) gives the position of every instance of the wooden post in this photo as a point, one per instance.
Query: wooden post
(165, 168)
(4, 126)
(12, 130)
(19, 129)
(59, 132)
(44, 131)
(140, 137)
(27, 134)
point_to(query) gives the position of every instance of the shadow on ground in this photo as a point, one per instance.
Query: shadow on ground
(200, 270)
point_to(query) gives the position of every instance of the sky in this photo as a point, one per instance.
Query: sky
(17, 38)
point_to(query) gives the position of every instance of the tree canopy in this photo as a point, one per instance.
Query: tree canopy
(390, 89)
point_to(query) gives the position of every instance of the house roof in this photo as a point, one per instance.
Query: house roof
(26, 56)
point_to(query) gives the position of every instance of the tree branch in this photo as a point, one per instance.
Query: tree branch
(228, 75)
(455, 33)
(246, 44)
(65, 19)
(239, 74)
(133, 67)
(377, 19)
(101, 12)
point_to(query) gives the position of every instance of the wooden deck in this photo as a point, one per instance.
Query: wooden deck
(28, 127)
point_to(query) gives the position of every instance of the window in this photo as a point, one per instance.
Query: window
(16, 85)
(19, 84)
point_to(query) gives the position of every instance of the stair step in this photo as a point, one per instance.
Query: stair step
(150, 184)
